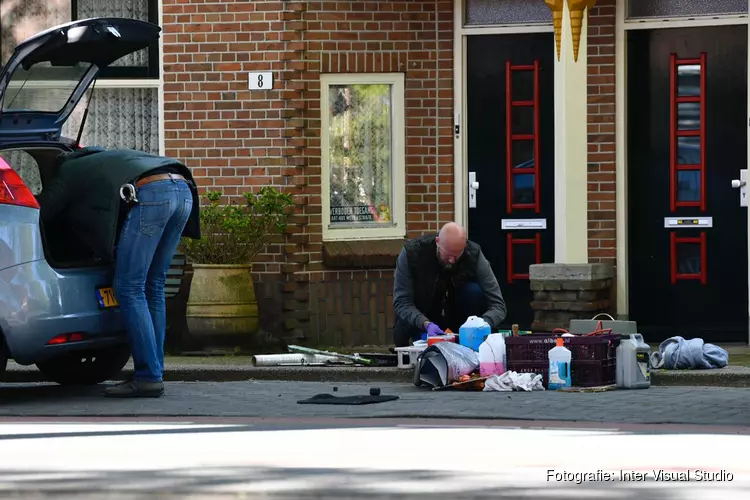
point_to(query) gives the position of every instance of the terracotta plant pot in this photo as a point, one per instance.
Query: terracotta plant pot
(222, 304)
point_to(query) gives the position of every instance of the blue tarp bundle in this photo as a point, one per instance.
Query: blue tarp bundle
(676, 353)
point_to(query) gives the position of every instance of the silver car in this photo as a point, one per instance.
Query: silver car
(57, 307)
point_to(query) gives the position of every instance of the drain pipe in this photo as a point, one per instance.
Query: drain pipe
(437, 114)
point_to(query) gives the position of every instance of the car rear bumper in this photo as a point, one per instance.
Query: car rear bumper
(37, 304)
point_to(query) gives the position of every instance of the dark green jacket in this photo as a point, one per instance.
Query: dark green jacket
(85, 194)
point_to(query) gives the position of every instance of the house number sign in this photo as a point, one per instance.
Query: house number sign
(261, 80)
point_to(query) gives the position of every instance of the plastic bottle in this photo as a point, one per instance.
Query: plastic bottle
(559, 366)
(633, 370)
(473, 332)
(492, 355)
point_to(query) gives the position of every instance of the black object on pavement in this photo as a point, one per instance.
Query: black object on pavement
(374, 391)
(329, 399)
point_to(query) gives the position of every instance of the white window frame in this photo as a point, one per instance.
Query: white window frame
(398, 159)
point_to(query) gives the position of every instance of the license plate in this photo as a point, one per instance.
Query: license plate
(106, 298)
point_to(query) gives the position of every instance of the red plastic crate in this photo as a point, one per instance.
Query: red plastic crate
(593, 356)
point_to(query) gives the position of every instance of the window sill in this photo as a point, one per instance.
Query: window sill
(362, 254)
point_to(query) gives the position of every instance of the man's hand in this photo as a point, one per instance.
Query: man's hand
(433, 330)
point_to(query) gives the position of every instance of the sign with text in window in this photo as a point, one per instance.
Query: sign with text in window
(356, 213)
(262, 80)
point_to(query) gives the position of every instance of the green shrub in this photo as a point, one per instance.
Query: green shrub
(236, 233)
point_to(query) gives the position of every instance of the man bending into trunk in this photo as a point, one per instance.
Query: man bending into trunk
(440, 281)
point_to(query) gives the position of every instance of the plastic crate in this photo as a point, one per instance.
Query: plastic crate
(407, 356)
(593, 356)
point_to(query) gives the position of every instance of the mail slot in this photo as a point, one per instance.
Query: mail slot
(524, 223)
(688, 222)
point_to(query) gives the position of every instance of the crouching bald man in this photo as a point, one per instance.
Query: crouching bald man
(439, 282)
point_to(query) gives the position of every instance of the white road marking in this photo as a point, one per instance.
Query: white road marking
(385, 460)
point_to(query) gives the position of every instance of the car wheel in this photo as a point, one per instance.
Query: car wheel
(85, 367)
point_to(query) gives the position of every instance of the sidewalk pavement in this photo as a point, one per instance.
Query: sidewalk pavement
(239, 368)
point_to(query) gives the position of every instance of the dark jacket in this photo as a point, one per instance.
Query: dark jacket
(84, 194)
(419, 280)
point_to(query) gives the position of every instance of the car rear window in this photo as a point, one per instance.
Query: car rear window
(27, 168)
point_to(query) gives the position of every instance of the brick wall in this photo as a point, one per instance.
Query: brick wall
(410, 36)
(414, 37)
(601, 133)
(234, 139)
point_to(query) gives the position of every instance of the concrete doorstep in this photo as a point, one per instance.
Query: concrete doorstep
(204, 371)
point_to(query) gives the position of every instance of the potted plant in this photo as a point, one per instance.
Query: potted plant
(221, 303)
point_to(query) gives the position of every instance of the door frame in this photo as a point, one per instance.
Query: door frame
(621, 165)
(460, 150)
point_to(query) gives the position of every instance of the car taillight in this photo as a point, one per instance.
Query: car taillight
(12, 189)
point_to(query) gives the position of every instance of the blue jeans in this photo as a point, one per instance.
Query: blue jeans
(469, 301)
(148, 242)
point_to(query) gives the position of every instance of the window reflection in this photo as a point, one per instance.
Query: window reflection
(523, 189)
(689, 80)
(523, 154)
(688, 185)
(688, 116)
(689, 150)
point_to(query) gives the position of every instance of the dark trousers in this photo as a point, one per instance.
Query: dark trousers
(470, 301)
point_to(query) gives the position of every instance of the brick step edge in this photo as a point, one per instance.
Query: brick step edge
(729, 377)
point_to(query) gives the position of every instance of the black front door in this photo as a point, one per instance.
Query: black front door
(510, 119)
(687, 140)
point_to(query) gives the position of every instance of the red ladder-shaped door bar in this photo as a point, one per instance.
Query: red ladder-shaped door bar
(675, 133)
(536, 241)
(510, 137)
(673, 258)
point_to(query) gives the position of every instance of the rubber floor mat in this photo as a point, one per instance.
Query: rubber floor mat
(329, 399)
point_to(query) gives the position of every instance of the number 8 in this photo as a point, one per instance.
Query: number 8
(260, 81)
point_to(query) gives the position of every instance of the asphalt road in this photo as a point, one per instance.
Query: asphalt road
(680, 405)
(384, 458)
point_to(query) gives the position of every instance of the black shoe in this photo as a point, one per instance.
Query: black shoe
(135, 389)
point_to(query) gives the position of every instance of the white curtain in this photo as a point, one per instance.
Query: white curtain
(118, 118)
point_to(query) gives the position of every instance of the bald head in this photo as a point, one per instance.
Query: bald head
(451, 231)
(451, 242)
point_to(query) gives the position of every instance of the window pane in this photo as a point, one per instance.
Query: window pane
(689, 80)
(688, 116)
(25, 18)
(689, 258)
(688, 185)
(522, 119)
(523, 189)
(523, 85)
(480, 12)
(673, 8)
(523, 154)
(43, 87)
(129, 9)
(524, 255)
(360, 153)
(119, 118)
(689, 150)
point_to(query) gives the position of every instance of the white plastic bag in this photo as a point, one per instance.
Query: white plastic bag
(461, 360)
